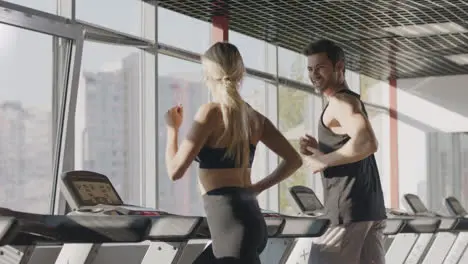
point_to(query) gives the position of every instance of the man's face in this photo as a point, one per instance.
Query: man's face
(322, 73)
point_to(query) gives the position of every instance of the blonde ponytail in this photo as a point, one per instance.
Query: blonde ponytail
(224, 70)
(236, 122)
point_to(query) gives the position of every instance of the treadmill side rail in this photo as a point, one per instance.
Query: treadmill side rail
(304, 227)
(58, 229)
(8, 230)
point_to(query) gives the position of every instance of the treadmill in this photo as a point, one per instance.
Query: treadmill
(174, 238)
(91, 193)
(310, 205)
(457, 253)
(437, 246)
(8, 230)
(399, 225)
(282, 245)
(38, 229)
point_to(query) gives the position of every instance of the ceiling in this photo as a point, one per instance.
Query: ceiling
(373, 33)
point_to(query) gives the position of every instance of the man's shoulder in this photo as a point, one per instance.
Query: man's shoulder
(346, 100)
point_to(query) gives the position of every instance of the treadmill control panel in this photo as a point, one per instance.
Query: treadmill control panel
(455, 206)
(416, 204)
(96, 195)
(310, 201)
(90, 189)
(95, 192)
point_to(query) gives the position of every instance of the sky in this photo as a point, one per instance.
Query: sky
(26, 57)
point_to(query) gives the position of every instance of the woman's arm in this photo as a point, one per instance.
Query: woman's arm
(178, 159)
(292, 161)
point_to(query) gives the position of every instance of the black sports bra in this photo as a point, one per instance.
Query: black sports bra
(214, 158)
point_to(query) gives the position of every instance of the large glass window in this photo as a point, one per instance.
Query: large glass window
(353, 80)
(258, 94)
(298, 114)
(257, 54)
(432, 155)
(375, 93)
(293, 65)
(122, 15)
(380, 123)
(446, 170)
(179, 82)
(182, 31)
(107, 131)
(418, 153)
(43, 5)
(26, 137)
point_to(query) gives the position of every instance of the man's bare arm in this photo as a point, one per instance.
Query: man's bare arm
(348, 112)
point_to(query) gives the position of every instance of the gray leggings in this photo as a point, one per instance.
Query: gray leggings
(237, 227)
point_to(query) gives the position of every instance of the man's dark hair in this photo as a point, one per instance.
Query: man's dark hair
(334, 52)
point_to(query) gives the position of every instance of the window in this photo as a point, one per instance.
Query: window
(99, 129)
(179, 81)
(43, 5)
(376, 92)
(182, 31)
(293, 65)
(464, 166)
(298, 114)
(366, 83)
(26, 137)
(257, 54)
(262, 97)
(380, 124)
(353, 80)
(122, 15)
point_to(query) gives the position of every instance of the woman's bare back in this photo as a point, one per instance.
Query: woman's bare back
(211, 179)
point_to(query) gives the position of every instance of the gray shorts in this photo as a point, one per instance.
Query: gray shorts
(353, 243)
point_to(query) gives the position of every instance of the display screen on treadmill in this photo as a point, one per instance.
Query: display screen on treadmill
(96, 192)
(417, 204)
(310, 201)
(457, 207)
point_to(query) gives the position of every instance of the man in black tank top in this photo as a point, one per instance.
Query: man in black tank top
(344, 154)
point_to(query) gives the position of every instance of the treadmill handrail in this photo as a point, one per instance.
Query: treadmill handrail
(320, 225)
(78, 229)
(8, 229)
(191, 234)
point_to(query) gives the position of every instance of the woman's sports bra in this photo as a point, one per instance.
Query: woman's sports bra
(214, 158)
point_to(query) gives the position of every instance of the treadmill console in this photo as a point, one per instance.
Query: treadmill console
(455, 207)
(95, 194)
(415, 204)
(307, 200)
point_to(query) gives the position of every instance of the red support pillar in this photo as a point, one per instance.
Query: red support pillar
(393, 116)
(220, 22)
(394, 168)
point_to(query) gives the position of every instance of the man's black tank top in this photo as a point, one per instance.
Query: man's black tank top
(352, 192)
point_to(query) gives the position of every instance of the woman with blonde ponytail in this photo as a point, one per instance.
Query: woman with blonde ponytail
(223, 139)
